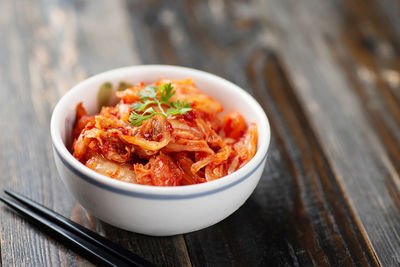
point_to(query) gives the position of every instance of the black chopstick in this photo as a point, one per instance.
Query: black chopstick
(93, 245)
(58, 232)
(81, 231)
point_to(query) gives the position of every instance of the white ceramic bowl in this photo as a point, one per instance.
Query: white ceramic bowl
(152, 210)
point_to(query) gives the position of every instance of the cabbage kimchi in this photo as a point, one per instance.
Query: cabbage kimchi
(168, 133)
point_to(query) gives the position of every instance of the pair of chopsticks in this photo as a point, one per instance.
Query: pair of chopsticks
(86, 242)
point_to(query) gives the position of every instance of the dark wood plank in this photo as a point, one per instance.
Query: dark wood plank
(338, 225)
(351, 143)
(371, 61)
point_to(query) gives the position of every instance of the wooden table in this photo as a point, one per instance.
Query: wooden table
(326, 72)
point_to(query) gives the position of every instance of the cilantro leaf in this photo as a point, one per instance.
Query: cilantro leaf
(148, 92)
(137, 119)
(179, 108)
(166, 91)
(139, 106)
(149, 97)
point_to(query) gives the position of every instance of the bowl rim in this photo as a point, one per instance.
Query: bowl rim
(159, 192)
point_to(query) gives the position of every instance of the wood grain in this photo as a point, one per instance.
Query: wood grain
(327, 74)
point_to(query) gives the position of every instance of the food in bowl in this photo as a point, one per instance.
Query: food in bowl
(168, 133)
(156, 210)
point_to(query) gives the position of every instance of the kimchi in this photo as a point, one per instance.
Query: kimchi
(168, 133)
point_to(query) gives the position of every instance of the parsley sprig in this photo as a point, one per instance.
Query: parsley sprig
(149, 98)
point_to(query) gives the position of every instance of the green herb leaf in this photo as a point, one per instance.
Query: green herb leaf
(148, 92)
(166, 91)
(137, 119)
(149, 97)
(179, 108)
(139, 106)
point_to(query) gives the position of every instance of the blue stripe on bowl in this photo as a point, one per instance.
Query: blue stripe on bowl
(153, 196)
